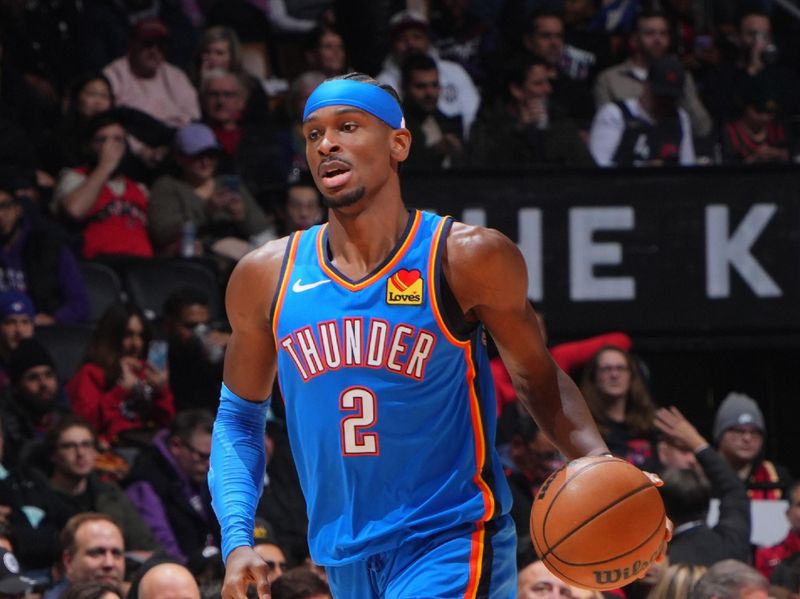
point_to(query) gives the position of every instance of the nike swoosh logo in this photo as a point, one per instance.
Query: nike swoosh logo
(298, 287)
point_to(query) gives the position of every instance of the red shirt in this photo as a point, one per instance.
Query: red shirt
(117, 224)
(768, 558)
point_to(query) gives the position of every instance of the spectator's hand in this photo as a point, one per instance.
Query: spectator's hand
(235, 206)
(218, 338)
(672, 423)
(158, 378)
(130, 368)
(218, 200)
(43, 320)
(450, 144)
(5, 512)
(533, 111)
(243, 568)
(111, 153)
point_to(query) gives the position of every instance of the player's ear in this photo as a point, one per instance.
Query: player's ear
(400, 144)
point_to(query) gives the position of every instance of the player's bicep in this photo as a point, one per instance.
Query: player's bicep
(508, 315)
(250, 355)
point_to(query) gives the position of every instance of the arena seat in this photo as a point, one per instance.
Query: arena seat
(67, 344)
(103, 286)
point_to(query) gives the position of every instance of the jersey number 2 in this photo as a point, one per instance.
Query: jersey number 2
(354, 440)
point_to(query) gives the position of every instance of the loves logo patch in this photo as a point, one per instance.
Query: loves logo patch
(404, 288)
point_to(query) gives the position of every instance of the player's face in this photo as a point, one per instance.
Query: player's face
(613, 374)
(536, 582)
(652, 37)
(348, 152)
(741, 443)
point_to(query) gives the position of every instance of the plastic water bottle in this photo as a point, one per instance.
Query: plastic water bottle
(188, 237)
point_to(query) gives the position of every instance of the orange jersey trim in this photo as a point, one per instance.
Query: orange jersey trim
(478, 537)
(283, 285)
(475, 561)
(375, 276)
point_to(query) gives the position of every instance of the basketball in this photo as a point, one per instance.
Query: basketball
(598, 523)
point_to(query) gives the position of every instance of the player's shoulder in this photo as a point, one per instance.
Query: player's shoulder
(467, 244)
(265, 258)
(259, 270)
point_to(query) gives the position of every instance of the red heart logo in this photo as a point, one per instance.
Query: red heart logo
(403, 279)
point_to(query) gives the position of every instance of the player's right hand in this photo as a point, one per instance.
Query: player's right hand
(243, 568)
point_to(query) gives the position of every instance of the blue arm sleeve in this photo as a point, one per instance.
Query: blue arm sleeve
(238, 463)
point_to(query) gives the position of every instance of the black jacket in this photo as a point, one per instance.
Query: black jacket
(192, 520)
(730, 537)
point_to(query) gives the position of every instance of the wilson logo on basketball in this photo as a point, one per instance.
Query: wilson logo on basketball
(404, 288)
(621, 575)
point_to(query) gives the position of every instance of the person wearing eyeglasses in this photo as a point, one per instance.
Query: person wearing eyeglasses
(250, 148)
(620, 403)
(65, 484)
(167, 485)
(739, 432)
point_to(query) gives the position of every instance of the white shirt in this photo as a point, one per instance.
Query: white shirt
(608, 126)
(458, 97)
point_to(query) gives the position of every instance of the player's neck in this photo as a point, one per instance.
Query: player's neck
(360, 241)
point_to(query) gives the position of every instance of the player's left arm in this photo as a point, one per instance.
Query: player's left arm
(487, 274)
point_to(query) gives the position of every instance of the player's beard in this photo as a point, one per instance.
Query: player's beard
(345, 200)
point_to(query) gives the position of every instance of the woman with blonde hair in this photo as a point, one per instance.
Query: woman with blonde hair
(677, 582)
(620, 403)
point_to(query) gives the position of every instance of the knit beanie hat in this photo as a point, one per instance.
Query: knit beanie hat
(736, 409)
(29, 353)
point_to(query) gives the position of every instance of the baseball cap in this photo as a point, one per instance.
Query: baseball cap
(761, 96)
(11, 583)
(15, 302)
(196, 138)
(150, 29)
(407, 19)
(735, 410)
(666, 77)
(263, 532)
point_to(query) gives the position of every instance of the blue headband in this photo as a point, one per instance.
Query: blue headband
(368, 97)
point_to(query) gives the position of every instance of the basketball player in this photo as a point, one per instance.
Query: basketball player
(375, 324)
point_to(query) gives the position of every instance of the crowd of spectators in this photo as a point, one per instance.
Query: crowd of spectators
(168, 133)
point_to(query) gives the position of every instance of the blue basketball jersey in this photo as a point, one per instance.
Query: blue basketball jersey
(391, 410)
